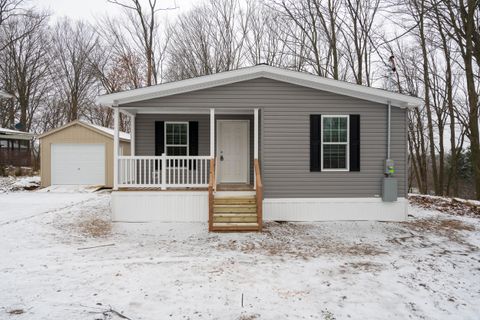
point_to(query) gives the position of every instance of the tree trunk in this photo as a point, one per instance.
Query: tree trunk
(452, 181)
(468, 18)
(426, 84)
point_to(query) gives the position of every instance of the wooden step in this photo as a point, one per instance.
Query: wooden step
(228, 209)
(234, 201)
(234, 227)
(248, 205)
(234, 218)
(235, 213)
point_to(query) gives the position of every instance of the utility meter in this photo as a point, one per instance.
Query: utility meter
(389, 167)
(390, 184)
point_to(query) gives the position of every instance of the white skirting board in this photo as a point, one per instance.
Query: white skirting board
(167, 206)
(325, 209)
(192, 206)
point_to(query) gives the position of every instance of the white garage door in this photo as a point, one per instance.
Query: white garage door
(82, 164)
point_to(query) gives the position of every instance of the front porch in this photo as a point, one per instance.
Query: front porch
(201, 164)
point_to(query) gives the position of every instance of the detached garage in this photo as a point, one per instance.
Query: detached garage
(79, 154)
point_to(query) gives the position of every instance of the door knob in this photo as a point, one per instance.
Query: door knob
(221, 158)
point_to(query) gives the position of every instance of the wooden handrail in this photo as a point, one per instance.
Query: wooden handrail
(211, 186)
(259, 190)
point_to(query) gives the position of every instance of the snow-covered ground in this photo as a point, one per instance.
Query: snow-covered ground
(64, 261)
(10, 184)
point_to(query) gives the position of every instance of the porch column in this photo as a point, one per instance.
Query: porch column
(132, 135)
(212, 133)
(255, 134)
(116, 123)
(255, 144)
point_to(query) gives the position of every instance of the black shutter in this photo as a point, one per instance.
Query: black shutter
(159, 138)
(354, 142)
(193, 141)
(315, 142)
(159, 141)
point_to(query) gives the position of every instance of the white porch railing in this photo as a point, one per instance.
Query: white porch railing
(163, 171)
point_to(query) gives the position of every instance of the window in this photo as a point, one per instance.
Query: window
(176, 138)
(335, 137)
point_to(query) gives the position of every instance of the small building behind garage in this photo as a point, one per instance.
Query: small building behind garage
(79, 153)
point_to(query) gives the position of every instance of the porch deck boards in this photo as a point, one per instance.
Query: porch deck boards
(220, 187)
(160, 189)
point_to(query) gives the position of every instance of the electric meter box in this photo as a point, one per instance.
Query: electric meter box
(389, 189)
(389, 167)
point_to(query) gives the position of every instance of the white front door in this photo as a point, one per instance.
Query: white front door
(233, 151)
(82, 164)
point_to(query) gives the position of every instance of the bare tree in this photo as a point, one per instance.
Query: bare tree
(73, 46)
(9, 9)
(418, 9)
(320, 23)
(143, 29)
(358, 28)
(24, 65)
(463, 16)
(268, 39)
(208, 39)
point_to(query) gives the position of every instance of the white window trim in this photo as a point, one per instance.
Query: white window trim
(347, 160)
(177, 145)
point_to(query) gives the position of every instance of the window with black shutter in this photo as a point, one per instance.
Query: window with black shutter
(334, 142)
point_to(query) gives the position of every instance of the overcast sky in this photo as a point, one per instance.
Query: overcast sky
(90, 9)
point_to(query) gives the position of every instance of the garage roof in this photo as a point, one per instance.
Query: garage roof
(101, 130)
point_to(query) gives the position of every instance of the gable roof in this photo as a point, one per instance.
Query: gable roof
(14, 134)
(260, 71)
(99, 129)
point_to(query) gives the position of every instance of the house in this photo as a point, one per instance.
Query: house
(79, 153)
(15, 148)
(261, 143)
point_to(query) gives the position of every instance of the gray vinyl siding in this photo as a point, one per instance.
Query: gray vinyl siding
(145, 132)
(286, 160)
(285, 136)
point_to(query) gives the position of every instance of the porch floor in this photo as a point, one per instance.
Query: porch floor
(160, 189)
(220, 187)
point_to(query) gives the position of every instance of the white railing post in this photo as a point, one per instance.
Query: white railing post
(164, 171)
(115, 147)
(132, 135)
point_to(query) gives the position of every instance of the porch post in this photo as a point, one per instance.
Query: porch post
(255, 134)
(116, 121)
(132, 135)
(255, 144)
(212, 133)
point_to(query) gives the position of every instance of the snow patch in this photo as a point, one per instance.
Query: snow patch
(11, 184)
